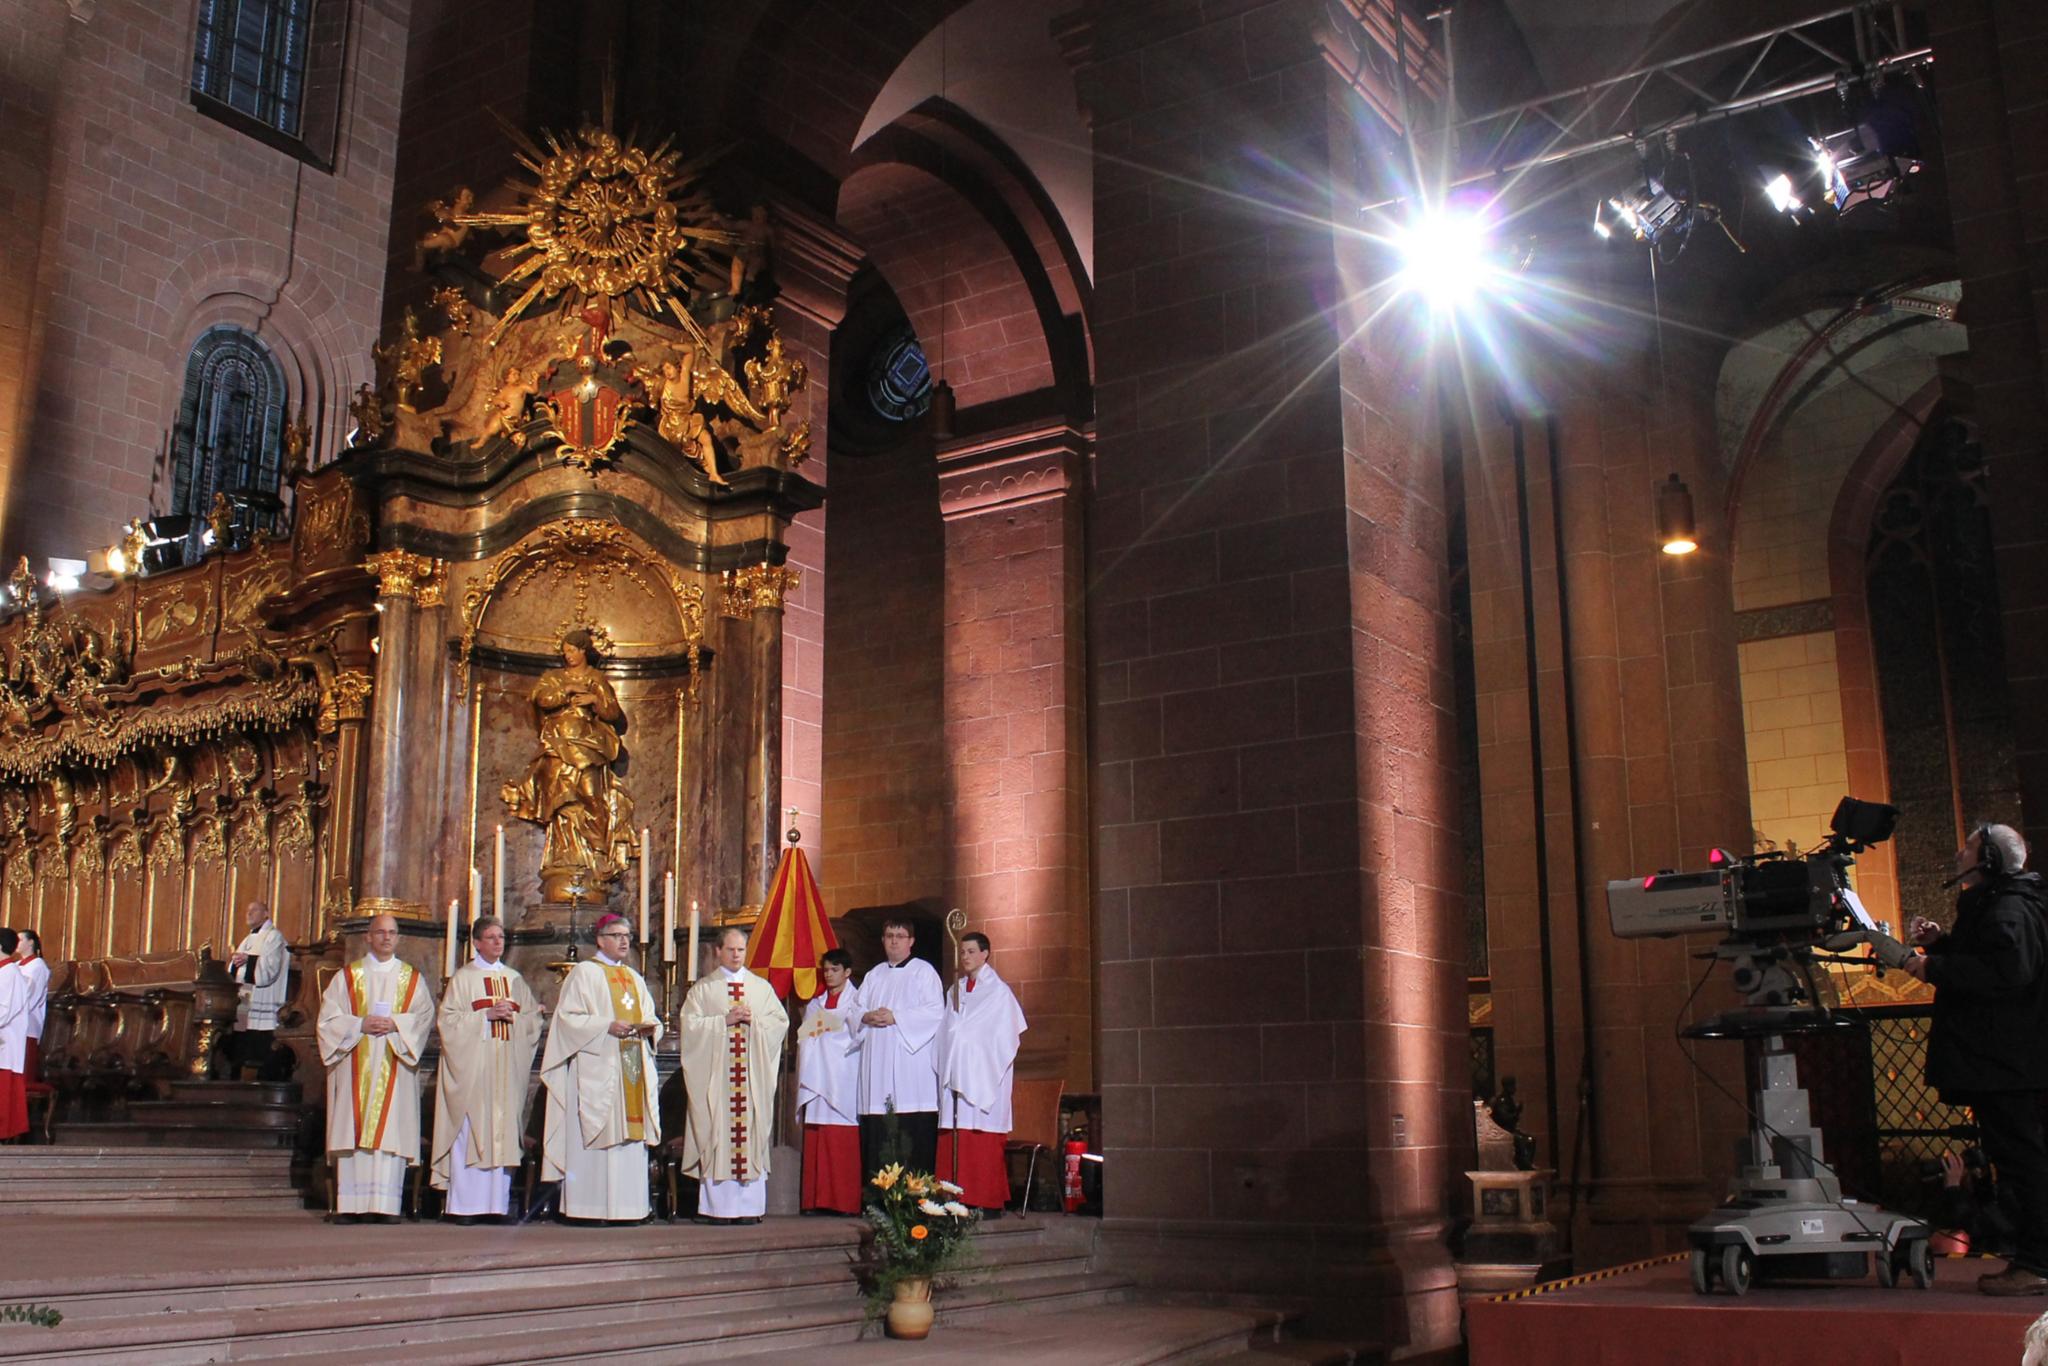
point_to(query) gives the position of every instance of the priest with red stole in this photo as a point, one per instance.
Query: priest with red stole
(376, 1017)
(828, 1090)
(977, 1063)
(15, 990)
(490, 1030)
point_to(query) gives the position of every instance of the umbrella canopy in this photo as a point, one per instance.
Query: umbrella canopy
(794, 932)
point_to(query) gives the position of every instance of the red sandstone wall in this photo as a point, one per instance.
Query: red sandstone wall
(158, 222)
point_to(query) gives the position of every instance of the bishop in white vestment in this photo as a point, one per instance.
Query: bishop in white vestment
(977, 1064)
(490, 1028)
(902, 1002)
(732, 1028)
(375, 1019)
(603, 1115)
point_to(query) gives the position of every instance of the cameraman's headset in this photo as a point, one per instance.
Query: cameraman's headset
(1990, 858)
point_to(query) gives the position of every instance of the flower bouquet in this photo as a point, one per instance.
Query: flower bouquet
(921, 1230)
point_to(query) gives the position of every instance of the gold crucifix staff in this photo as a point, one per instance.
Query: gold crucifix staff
(956, 921)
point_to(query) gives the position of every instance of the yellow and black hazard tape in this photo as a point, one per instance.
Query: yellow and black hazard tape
(1606, 1273)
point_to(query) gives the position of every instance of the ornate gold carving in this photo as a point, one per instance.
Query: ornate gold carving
(244, 591)
(298, 448)
(506, 411)
(269, 706)
(125, 851)
(402, 574)
(604, 219)
(62, 664)
(331, 519)
(774, 378)
(579, 551)
(220, 520)
(21, 866)
(293, 833)
(167, 848)
(570, 788)
(447, 234)
(393, 906)
(209, 840)
(758, 587)
(406, 360)
(454, 305)
(372, 423)
(346, 699)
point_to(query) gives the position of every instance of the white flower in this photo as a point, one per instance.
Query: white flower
(957, 1210)
(927, 1207)
(949, 1188)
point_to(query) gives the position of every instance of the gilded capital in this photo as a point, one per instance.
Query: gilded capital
(344, 699)
(402, 574)
(758, 587)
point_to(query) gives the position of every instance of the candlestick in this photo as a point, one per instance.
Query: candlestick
(690, 953)
(498, 878)
(476, 895)
(645, 847)
(448, 955)
(668, 916)
(233, 874)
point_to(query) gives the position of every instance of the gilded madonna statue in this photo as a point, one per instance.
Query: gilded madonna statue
(570, 788)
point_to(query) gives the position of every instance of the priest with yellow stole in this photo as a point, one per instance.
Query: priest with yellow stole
(375, 1019)
(602, 1114)
(490, 1027)
(732, 1031)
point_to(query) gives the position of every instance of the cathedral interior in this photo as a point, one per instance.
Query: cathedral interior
(1197, 485)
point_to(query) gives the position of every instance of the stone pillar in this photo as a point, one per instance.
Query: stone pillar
(1988, 54)
(1016, 726)
(404, 726)
(1283, 1054)
(754, 600)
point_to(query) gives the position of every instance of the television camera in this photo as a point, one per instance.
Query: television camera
(1780, 914)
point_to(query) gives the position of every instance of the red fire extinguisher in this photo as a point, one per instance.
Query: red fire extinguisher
(1077, 1144)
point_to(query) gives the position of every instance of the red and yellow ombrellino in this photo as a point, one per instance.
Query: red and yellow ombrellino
(794, 932)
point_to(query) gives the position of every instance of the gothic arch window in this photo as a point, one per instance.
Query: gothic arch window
(251, 56)
(229, 437)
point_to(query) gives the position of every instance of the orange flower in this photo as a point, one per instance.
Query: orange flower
(918, 1232)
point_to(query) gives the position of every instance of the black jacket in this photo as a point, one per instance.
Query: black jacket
(1991, 992)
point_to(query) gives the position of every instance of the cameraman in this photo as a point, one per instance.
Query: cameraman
(1990, 1021)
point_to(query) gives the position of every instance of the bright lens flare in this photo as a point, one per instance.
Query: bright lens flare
(1443, 258)
(1779, 192)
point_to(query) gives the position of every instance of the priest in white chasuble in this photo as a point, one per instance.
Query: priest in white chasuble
(732, 1031)
(375, 1019)
(490, 1027)
(828, 1090)
(977, 1065)
(603, 1115)
(902, 1002)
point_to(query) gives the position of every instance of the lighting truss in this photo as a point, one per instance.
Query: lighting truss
(1606, 115)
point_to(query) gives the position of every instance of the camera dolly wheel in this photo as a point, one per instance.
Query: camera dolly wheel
(1738, 1268)
(1887, 1266)
(1702, 1272)
(1919, 1262)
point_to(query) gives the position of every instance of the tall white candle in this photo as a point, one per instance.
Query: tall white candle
(690, 949)
(448, 956)
(668, 916)
(646, 847)
(476, 894)
(234, 910)
(498, 878)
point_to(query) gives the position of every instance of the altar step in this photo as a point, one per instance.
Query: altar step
(260, 1115)
(486, 1295)
(145, 1180)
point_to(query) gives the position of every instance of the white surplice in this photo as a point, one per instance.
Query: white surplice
(14, 994)
(828, 1059)
(899, 1064)
(480, 1092)
(978, 1053)
(590, 1148)
(373, 1081)
(268, 974)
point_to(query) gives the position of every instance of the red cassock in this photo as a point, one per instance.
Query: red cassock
(32, 1064)
(983, 1174)
(13, 1105)
(832, 1167)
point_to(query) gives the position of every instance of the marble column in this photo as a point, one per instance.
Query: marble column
(404, 710)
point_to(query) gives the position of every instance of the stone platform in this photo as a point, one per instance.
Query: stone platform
(290, 1287)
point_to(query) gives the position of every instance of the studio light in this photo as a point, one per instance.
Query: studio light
(1779, 191)
(164, 542)
(64, 575)
(1444, 257)
(1676, 532)
(1860, 166)
(1650, 212)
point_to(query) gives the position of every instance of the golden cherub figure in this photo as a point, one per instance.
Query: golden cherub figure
(367, 408)
(298, 444)
(448, 235)
(506, 410)
(674, 391)
(220, 519)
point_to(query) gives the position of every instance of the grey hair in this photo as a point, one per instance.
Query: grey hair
(482, 923)
(2012, 848)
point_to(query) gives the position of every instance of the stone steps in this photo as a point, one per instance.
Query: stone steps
(96, 1134)
(66, 1180)
(695, 1295)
